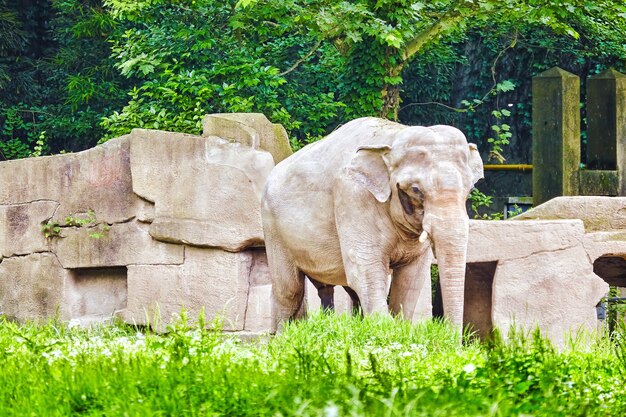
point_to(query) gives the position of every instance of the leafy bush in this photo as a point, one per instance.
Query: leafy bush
(186, 67)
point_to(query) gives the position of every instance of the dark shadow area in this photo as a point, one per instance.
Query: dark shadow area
(612, 269)
(478, 298)
(98, 291)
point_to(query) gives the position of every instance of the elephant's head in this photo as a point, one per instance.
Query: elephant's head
(426, 175)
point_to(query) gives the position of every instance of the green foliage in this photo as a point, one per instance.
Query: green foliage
(481, 206)
(310, 65)
(379, 38)
(502, 134)
(80, 220)
(52, 228)
(59, 79)
(326, 365)
(187, 68)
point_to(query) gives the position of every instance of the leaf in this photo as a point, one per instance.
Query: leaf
(245, 3)
(505, 86)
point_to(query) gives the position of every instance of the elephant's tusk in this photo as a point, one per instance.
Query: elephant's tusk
(423, 237)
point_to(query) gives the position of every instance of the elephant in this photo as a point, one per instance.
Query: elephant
(372, 198)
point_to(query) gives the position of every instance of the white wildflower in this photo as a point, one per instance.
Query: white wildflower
(331, 411)
(469, 368)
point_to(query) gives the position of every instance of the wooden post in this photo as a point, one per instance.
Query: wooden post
(556, 134)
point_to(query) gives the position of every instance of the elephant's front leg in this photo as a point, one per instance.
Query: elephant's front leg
(410, 292)
(367, 274)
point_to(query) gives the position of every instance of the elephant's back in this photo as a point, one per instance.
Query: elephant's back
(320, 161)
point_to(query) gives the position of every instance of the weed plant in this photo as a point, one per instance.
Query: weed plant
(328, 365)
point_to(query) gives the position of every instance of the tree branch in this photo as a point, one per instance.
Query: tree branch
(304, 58)
(491, 90)
(446, 22)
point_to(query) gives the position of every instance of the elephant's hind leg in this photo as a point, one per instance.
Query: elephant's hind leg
(287, 286)
(326, 293)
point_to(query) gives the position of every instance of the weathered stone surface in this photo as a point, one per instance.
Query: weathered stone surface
(96, 293)
(210, 200)
(606, 119)
(20, 227)
(123, 244)
(259, 307)
(502, 240)
(259, 310)
(97, 179)
(556, 291)
(598, 213)
(210, 279)
(556, 134)
(251, 129)
(605, 243)
(534, 273)
(33, 287)
(597, 183)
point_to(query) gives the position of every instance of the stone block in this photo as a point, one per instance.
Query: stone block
(556, 134)
(259, 309)
(20, 227)
(598, 244)
(606, 118)
(97, 179)
(96, 294)
(251, 129)
(123, 244)
(597, 183)
(597, 213)
(210, 279)
(206, 191)
(33, 287)
(556, 291)
(607, 252)
(501, 240)
(260, 271)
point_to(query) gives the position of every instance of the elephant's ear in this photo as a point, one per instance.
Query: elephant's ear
(476, 163)
(369, 169)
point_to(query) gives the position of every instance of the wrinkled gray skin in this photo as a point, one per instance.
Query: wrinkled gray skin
(374, 195)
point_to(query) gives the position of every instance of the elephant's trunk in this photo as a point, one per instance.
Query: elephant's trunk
(449, 233)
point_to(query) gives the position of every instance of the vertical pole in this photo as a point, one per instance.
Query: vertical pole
(606, 119)
(556, 134)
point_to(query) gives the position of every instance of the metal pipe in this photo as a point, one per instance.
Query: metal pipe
(511, 167)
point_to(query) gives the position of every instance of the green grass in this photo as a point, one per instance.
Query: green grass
(325, 366)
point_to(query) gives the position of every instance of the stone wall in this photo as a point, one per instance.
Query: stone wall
(154, 222)
(141, 227)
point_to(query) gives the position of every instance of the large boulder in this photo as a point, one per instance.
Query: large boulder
(148, 219)
(116, 245)
(34, 287)
(533, 274)
(210, 281)
(250, 129)
(97, 179)
(597, 213)
(20, 227)
(206, 191)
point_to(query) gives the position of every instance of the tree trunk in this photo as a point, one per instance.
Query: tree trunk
(391, 102)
